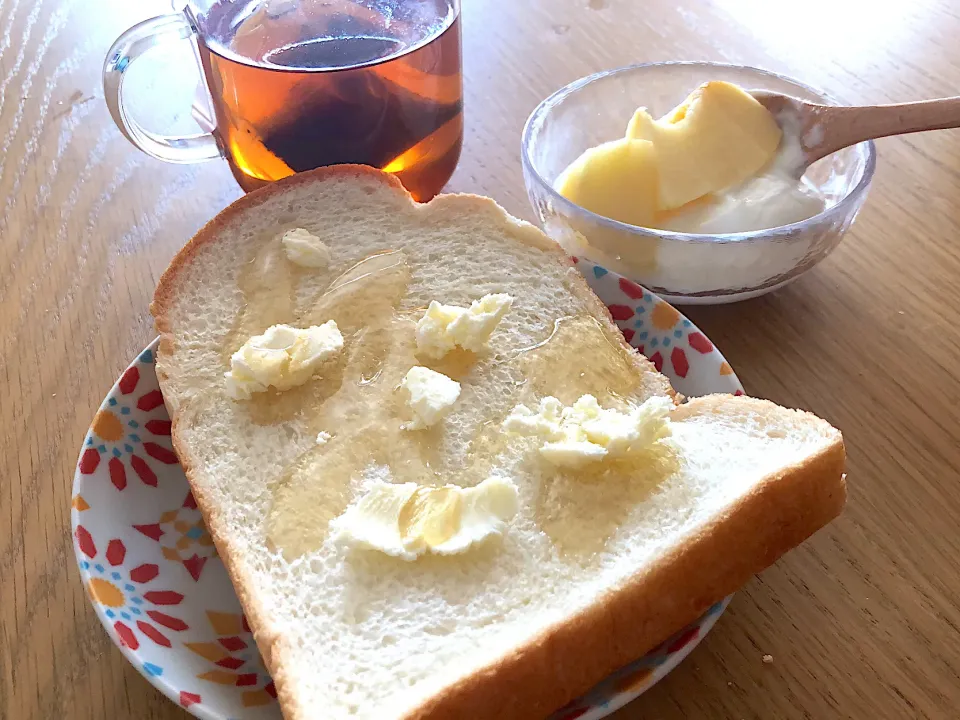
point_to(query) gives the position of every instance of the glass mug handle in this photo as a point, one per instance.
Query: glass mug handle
(128, 47)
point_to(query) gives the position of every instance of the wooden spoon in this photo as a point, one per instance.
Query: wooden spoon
(824, 129)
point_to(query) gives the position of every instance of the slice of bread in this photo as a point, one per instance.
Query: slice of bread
(594, 569)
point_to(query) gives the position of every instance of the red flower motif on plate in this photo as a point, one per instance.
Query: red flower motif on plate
(121, 593)
(235, 659)
(122, 436)
(183, 537)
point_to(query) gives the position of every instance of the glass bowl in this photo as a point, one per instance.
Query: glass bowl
(681, 267)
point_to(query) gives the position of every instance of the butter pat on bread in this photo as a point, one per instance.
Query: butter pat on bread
(444, 327)
(305, 249)
(429, 394)
(282, 357)
(586, 433)
(409, 520)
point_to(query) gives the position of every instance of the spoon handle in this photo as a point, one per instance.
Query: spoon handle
(832, 128)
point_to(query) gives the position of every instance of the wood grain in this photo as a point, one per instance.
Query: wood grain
(862, 621)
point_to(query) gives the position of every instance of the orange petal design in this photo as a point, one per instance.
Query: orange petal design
(79, 503)
(725, 368)
(108, 426)
(664, 316)
(225, 623)
(220, 677)
(254, 698)
(171, 554)
(208, 651)
(168, 516)
(105, 593)
(183, 543)
(181, 526)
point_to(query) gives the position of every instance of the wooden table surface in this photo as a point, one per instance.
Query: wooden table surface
(861, 621)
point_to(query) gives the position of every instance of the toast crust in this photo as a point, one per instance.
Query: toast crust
(571, 657)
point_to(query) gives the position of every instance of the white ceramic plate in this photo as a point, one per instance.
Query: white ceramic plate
(163, 595)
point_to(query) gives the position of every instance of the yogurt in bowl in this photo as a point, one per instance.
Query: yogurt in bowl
(698, 243)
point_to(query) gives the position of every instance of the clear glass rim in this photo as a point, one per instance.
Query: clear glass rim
(218, 48)
(540, 113)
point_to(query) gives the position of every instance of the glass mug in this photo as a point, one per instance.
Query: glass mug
(299, 84)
